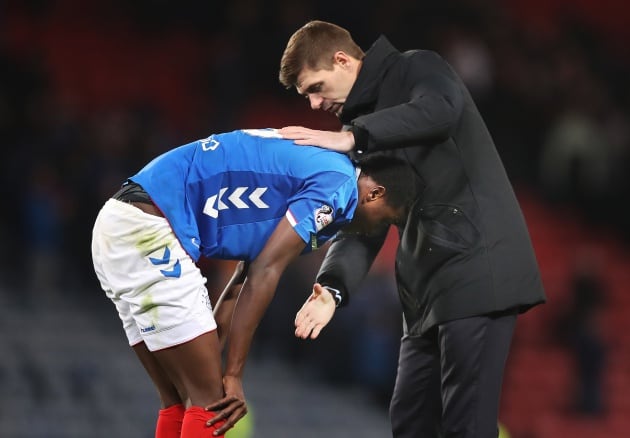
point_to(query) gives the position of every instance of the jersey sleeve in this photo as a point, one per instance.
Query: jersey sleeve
(323, 207)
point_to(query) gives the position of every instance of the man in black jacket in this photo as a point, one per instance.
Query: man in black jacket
(465, 266)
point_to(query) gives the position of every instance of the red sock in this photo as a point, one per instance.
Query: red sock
(169, 423)
(195, 423)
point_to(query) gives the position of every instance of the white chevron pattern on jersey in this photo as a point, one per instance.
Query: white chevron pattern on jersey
(235, 199)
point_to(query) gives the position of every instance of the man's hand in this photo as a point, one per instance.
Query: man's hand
(340, 141)
(232, 407)
(316, 312)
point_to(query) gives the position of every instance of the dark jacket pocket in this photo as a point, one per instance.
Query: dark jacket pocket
(447, 225)
(436, 236)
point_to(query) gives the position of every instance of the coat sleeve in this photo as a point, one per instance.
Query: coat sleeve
(427, 116)
(348, 261)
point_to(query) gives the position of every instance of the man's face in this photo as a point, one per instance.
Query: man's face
(327, 90)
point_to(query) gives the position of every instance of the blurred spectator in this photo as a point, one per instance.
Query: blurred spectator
(43, 219)
(575, 163)
(581, 331)
(375, 336)
(471, 58)
(577, 156)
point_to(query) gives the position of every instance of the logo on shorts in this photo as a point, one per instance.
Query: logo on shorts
(148, 329)
(323, 217)
(175, 271)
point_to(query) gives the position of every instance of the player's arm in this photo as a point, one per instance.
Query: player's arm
(258, 289)
(224, 304)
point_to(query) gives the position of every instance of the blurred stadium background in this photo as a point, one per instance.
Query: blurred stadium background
(89, 91)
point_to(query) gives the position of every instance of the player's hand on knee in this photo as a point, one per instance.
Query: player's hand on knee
(315, 313)
(231, 407)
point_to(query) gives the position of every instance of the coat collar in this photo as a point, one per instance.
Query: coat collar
(366, 88)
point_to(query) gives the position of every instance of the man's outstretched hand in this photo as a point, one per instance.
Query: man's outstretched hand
(315, 313)
(340, 141)
(230, 408)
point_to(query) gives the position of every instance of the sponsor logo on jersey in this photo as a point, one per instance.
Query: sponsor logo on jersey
(323, 217)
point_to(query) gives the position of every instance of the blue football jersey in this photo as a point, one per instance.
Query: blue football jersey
(224, 195)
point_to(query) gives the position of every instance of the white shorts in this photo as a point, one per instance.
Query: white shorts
(158, 290)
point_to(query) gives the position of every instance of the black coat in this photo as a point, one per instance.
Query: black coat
(465, 249)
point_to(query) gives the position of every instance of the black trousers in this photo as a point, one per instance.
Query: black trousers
(449, 380)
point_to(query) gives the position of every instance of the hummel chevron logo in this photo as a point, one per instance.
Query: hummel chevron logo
(165, 258)
(235, 199)
(175, 271)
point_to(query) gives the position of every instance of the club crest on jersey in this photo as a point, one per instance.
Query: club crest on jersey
(323, 217)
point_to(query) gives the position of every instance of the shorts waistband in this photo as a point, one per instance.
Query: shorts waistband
(133, 193)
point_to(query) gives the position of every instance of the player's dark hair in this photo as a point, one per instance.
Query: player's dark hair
(314, 46)
(401, 182)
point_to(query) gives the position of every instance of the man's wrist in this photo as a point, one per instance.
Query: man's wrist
(336, 294)
(360, 139)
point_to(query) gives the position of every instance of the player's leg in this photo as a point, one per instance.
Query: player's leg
(188, 371)
(474, 353)
(171, 414)
(178, 328)
(196, 364)
(105, 251)
(415, 409)
(162, 301)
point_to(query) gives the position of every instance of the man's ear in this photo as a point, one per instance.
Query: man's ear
(376, 192)
(340, 57)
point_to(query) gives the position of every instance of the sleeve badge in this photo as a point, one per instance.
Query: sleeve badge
(323, 217)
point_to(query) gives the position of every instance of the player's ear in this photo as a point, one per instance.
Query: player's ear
(376, 192)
